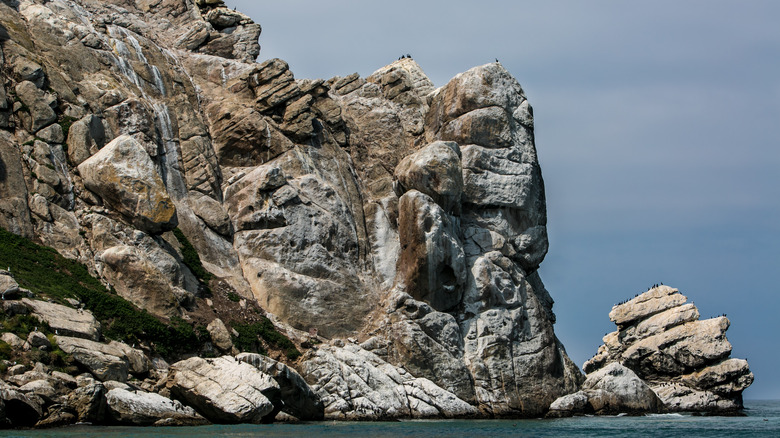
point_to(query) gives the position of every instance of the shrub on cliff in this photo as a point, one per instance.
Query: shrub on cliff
(44, 271)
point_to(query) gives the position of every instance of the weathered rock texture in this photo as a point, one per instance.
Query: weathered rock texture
(225, 390)
(685, 360)
(143, 408)
(611, 390)
(407, 217)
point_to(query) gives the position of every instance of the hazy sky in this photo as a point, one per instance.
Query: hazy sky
(657, 128)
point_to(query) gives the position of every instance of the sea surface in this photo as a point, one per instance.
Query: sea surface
(762, 420)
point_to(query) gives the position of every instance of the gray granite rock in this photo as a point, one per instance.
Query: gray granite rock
(124, 176)
(225, 390)
(285, 188)
(684, 359)
(65, 320)
(298, 399)
(144, 408)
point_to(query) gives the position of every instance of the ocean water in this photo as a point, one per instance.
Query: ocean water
(762, 420)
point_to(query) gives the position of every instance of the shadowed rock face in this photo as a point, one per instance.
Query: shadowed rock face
(409, 218)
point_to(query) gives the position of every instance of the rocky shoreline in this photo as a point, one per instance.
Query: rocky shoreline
(683, 364)
(191, 236)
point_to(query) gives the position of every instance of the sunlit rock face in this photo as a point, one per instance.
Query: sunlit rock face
(685, 360)
(408, 218)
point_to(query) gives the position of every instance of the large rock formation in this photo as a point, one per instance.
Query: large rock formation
(409, 218)
(683, 359)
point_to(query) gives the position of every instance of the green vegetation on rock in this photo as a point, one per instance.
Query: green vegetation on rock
(65, 123)
(45, 272)
(22, 325)
(249, 335)
(191, 258)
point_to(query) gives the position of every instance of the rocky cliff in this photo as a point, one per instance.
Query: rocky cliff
(400, 223)
(661, 358)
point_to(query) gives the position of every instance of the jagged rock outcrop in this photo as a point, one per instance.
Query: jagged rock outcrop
(409, 218)
(356, 384)
(298, 399)
(683, 359)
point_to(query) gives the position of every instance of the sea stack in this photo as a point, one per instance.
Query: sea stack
(683, 359)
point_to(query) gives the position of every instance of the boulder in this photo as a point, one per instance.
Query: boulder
(222, 17)
(435, 171)
(65, 320)
(569, 405)
(726, 377)
(679, 397)
(680, 349)
(37, 339)
(39, 104)
(52, 134)
(220, 335)
(616, 389)
(211, 211)
(224, 390)
(659, 322)
(41, 388)
(136, 408)
(123, 175)
(57, 416)
(9, 288)
(89, 403)
(647, 304)
(106, 361)
(612, 390)
(15, 370)
(297, 397)
(27, 70)
(37, 373)
(15, 341)
(148, 277)
(20, 410)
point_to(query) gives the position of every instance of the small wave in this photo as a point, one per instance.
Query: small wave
(672, 415)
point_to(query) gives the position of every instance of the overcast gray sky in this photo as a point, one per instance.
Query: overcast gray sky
(657, 127)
